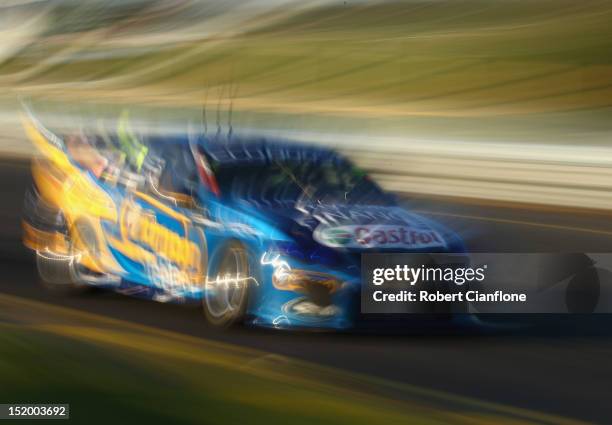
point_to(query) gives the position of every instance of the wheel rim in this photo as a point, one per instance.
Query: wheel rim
(225, 293)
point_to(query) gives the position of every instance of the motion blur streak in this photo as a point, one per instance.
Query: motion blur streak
(505, 100)
(244, 379)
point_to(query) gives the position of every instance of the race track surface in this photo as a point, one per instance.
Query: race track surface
(558, 365)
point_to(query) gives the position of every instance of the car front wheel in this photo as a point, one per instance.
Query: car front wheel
(227, 286)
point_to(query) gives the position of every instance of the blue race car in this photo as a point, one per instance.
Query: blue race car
(263, 232)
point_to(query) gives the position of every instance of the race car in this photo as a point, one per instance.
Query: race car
(263, 232)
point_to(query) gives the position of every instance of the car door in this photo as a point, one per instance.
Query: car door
(156, 241)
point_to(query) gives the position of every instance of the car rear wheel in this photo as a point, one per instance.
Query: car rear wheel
(54, 270)
(227, 286)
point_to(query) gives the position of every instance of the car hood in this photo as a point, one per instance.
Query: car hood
(361, 228)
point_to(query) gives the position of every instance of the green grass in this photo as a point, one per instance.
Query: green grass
(111, 370)
(103, 383)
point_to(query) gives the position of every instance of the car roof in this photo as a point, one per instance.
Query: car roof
(254, 150)
(264, 151)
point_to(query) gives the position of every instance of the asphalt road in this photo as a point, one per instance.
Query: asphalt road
(559, 365)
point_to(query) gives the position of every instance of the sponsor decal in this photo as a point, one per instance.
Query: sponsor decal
(336, 237)
(141, 226)
(336, 215)
(367, 215)
(377, 236)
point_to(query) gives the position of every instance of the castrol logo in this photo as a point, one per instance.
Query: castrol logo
(377, 236)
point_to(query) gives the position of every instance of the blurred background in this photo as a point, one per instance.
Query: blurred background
(493, 116)
(505, 100)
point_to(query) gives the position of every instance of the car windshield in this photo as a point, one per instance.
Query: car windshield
(329, 181)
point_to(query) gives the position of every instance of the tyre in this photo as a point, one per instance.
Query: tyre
(226, 289)
(54, 269)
